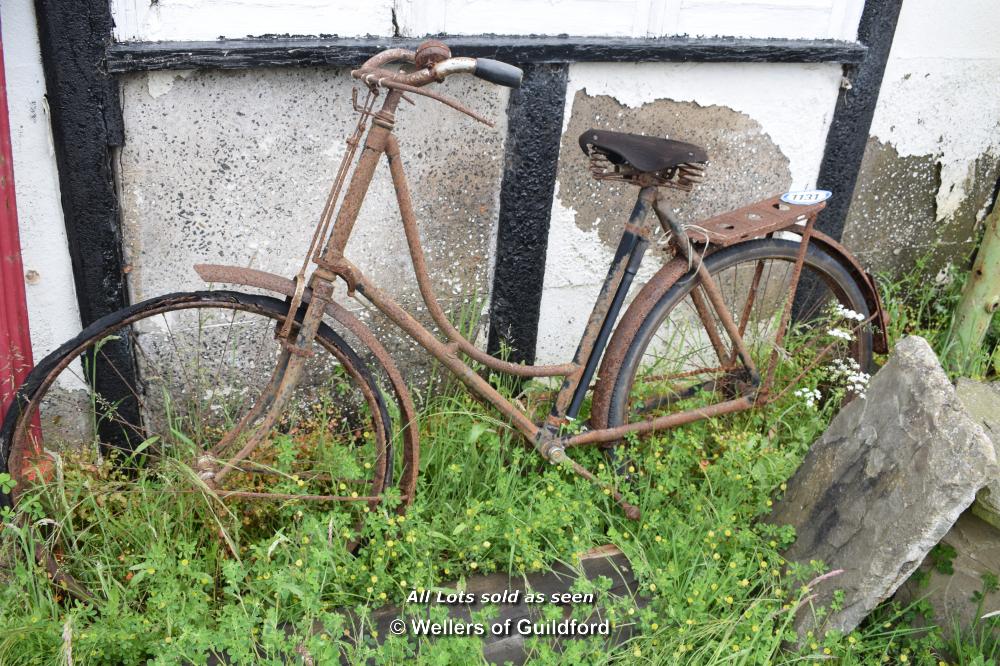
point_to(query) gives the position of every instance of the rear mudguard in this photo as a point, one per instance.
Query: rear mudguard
(250, 277)
(866, 282)
(675, 270)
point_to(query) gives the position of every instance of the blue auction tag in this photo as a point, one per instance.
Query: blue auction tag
(806, 197)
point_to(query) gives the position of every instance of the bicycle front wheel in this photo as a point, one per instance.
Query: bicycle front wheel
(681, 357)
(110, 433)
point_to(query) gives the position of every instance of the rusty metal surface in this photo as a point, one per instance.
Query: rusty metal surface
(786, 313)
(710, 328)
(757, 219)
(681, 177)
(275, 283)
(880, 335)
(710, 287)
(661, 422)
(639, 218)
(362, 177)
(427, 291)
(630, 322)
(447, 353)
(431, 52)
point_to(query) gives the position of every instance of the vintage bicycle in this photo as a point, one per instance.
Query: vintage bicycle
(287, 397)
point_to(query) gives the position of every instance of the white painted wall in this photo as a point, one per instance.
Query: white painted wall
(194, 20)
(836, 19)
(52, 309)
(941, 91)
(796, 120)
(141, 20)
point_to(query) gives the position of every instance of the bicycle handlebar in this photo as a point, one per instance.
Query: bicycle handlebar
(434, 63)
(498, 72)
(436, 68)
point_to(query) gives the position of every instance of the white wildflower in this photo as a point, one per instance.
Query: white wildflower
(847, 313)
(848, 373)
(841, 334)
(810, 396)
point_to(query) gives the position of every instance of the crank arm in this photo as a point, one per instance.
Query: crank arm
(556, 454)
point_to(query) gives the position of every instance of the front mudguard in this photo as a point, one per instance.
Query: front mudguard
(250, 277)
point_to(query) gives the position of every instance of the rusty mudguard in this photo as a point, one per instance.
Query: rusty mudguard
(676, 269)
(275, 283)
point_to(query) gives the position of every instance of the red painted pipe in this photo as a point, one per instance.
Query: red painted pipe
(15, 341)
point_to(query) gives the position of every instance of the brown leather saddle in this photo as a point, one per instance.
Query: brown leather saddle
(642, 153)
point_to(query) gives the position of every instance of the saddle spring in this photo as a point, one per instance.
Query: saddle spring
(681, 177)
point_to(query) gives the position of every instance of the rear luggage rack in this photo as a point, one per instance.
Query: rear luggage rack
(758, 219)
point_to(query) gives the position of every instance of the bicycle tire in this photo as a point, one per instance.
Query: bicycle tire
(618, 376)
(138, 330)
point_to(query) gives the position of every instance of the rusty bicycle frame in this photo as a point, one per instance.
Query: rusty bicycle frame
(315, 292)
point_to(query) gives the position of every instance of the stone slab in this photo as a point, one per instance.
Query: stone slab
(884, 484)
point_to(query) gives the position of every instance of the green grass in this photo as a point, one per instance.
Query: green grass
(712, 576)
(714, 588)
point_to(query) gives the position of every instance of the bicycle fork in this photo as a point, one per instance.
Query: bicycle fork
(285, 378)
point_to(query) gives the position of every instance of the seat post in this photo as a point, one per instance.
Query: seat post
(631, 248)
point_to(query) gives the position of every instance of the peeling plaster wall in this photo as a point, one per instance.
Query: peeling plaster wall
(53, 314)
(764, 126)
(933, 157)
(234, 168)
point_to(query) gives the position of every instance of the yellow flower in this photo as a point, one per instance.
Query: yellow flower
(184, 563)
(298, 563)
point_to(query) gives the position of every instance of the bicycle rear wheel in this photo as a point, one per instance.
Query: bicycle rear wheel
(108, 433)
(671, 362)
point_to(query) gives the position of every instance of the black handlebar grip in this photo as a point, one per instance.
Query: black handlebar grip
(498, 72)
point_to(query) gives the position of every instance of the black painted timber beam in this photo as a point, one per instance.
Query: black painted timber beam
(852, 117)
(534, 131)
(337, 52)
